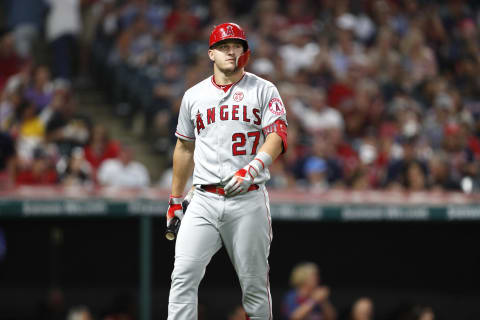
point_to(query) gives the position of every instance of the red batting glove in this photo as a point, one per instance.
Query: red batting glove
(175, 208)
(239, 182)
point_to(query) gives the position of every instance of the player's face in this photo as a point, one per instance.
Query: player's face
(225, 56)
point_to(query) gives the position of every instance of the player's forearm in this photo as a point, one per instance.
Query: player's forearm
(273, 145)
(182, 165)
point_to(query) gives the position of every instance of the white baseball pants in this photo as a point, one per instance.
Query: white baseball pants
(243, 225)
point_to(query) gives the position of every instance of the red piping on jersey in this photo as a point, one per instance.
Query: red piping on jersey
(176, 132)
(270, 238)
(225, 87)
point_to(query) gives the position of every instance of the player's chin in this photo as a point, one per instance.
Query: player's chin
(229, 68)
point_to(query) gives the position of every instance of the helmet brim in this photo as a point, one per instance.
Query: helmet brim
(232, 39)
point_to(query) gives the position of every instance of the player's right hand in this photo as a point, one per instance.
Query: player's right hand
(175, 208)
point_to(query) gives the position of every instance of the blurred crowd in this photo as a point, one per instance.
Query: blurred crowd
(309, 298)
(380, 94)
(45, 136)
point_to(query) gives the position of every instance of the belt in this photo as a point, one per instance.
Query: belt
(213, 188)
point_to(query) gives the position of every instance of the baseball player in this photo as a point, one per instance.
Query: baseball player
(231, 127)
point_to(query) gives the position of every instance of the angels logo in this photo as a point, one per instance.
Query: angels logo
(276, 106)
(199, 122)
(230, 31)
(238, 96)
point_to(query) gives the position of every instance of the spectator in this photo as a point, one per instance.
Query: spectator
(182, 22)
(79, 313)
(300, 50)
(40, 92)
(417, 312)
(26, 23)
(61, 94)
(461, 160)
(9, 107)
(347, 50)
(10, 61)
(78, 171)
(313, 112)
(67, 128)
(124, 171)
(308, 299)
(41, 171)
(315, 170)
(100, 147)
(31, 133)
(386, 61)
(415, 177)
(424, 313)
(62, 27)
(398, 166)
(299, 13)
(420, 63)
(361, 309)
(322, 168)
(439, 177)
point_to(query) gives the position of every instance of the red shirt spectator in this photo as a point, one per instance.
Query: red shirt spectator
(30, 177)
(182, 22)
(111, 150)
(10, 62)
(100, 147)
(40, 173)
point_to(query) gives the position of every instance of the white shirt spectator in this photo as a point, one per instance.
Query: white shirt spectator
(296, 58)
(314, 120)
(113, 172)
(63, 18)
(313, 112)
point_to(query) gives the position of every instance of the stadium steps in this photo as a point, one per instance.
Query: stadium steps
(93, 103)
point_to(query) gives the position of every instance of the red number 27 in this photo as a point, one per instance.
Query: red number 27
(239, 140)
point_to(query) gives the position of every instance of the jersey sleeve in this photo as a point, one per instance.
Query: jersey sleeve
(273, 107)
(274, 116)
(185, 129)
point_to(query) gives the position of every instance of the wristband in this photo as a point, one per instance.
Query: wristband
(264, 158)
(257, 165)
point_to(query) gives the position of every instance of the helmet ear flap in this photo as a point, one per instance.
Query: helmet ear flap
(242, 60)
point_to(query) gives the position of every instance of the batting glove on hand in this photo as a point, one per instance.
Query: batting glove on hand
(175, 209)
(240, 181)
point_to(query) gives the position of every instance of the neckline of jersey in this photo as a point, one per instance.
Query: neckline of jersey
(225, 87)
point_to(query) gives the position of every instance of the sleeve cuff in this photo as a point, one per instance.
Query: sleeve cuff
(184, 137)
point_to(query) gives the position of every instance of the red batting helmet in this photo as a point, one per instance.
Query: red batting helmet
(226, 31)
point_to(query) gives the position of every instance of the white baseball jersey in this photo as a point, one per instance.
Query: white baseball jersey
(227, 126)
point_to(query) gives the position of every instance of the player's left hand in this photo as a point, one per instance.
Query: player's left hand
(238, 183)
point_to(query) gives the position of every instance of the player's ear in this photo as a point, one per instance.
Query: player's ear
(210, 55)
